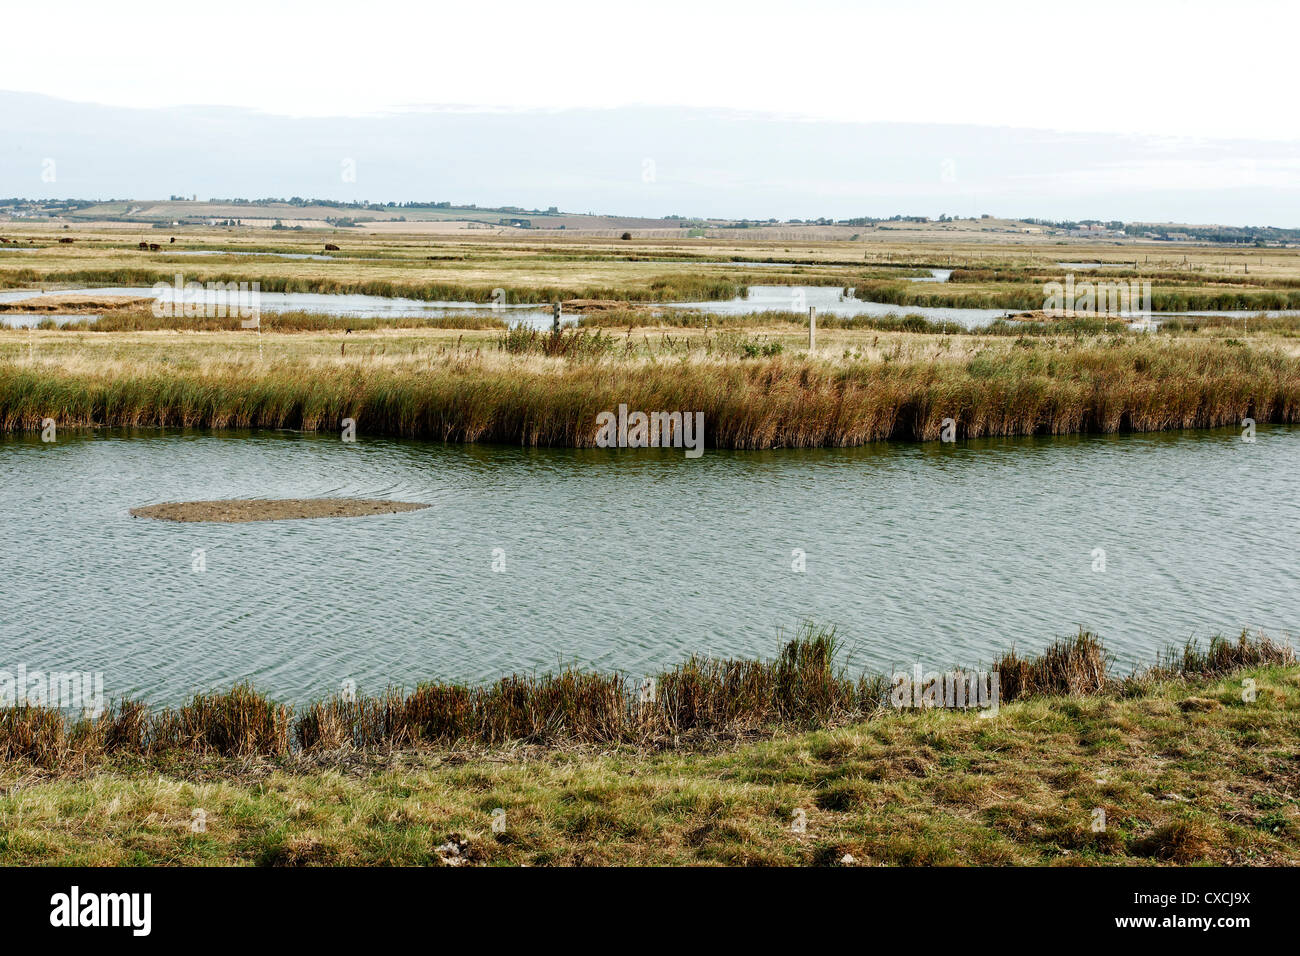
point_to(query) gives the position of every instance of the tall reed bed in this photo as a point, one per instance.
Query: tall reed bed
(1026, 293)
(1038, 274)
(1122, 384)
(665, 288)
(804, 687)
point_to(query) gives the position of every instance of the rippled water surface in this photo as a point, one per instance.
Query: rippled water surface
(628, 559)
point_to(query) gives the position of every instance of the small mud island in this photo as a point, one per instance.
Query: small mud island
(260, 509)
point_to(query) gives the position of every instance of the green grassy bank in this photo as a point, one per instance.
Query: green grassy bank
(1191, 762)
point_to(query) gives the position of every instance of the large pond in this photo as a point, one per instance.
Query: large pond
(630, 560)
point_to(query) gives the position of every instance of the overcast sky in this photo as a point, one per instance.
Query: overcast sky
(1136, 110)
(1133, 66)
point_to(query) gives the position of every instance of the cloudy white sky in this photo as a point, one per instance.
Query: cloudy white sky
(1138, 66)
(1135, 110)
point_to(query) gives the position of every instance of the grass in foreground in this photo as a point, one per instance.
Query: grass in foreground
(1186, 773)
(1193, 761)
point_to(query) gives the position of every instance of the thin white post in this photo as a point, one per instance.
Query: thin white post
(812, 328)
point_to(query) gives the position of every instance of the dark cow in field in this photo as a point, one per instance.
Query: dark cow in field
(154, 247)
(143, 246)
(65, 239)
(173, 239)
(330, 247)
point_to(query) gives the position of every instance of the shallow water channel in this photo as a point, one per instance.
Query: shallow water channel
(936, 553)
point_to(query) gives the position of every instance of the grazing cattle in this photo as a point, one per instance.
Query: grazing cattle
(173, 238)
(143, 246)
(65, 239)
(4, 240)
(330, 247)
(154, 247)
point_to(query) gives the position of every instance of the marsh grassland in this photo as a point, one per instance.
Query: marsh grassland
(466, 378)
(1185, 766)
(989, 270)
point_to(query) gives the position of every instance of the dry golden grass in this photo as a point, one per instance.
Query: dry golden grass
(756, 382)
(539, 266)
(467, 386)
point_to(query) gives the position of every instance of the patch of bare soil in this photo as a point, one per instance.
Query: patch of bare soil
(259, 509)
(594, 305)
